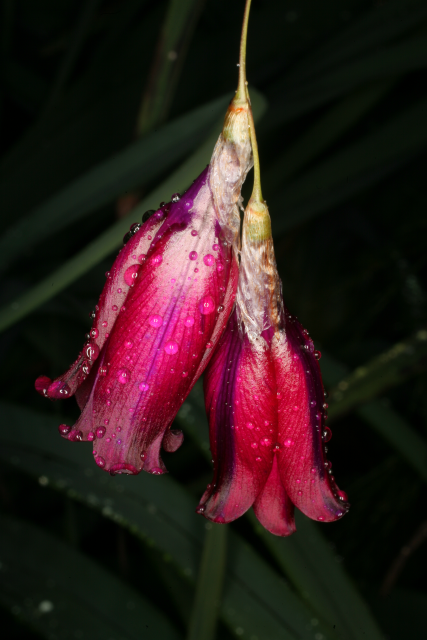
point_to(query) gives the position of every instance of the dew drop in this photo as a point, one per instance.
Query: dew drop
(266, 442)
(64, 429)
(100, 461)
(91, 436)
(193, 255)
(100, 432)
(327, 434)
(194, 232)
(157, 260)
(288, 442)
(342, 495)
(131, 274)
(128, 344)
(207, 305)
(313, 470)
(155, 321)
(114, 307)
(143, 386)
(254, 445)
(103, 371)
(141, 258)
(156, 471)
(317, 355)
(209, 345)
(189, 321)
(176, 197)
(123, 375)
(94, 333)
(200, 509)
(249, 425)
(215, 247)
(171, 347)
(209, 260)
(219, 267)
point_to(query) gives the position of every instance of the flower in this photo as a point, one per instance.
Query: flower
(265, 400)
(163, 308)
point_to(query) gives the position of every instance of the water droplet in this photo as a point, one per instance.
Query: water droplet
(207, 305)
(100, 461)
(128, 344)
(131, 274)
(141, 258)
(184, 374)
(215, 247)
(200, 509)
(103, 371)
(64, 429)
(193, 255)
(147, 215)
(327, 434)
(196, 270)
(94, 333)
(279, 394)
(313, 469)
(75, 435)
(209, 260)
(143, 386)
(107, 274)
(296, 408)
(114, 307)
(317, 355)
(209, 345)
(219, 267)
(189, 321)
(249, 425)
(321, 518)
(156, 471)
(155, 321)
(328, 464)
(342, 495)
(266, 442)
(176, 197)
(123, 375)
(100, 432)
(288, 442)
(156, 260)
(254, 445)
(171, 347)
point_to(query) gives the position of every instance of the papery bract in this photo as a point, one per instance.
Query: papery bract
(161, 313)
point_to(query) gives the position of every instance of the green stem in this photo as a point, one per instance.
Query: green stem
(256, 192)
(241, 90)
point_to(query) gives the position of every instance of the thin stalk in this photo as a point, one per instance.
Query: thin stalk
(256, 191)
(241, 93)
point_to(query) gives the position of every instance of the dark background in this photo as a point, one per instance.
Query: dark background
(343, 143)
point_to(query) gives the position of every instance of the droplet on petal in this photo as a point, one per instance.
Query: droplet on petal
(155, 321)
(188, 203)
(288, 442)
(209, 260)
(249, 425)
(100, 461)
(189, 321)
(327, 434)
(141, 258)
(94, 333)
(215, 247)
(42, 384)
(128, 344)
(91, 436)
(143, 386)
(100, 432)
(64, 429)
(207, 305)
(193, 255)
(157, 260)
(131, 274)
(123, 375)
(171, 347)
(194, 232)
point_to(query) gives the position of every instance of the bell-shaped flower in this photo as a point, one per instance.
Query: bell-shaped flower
(265, 401)
(161, 313)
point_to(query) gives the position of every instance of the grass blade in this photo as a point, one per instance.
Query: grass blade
(209, 584)
(47, 584)
(111, 239)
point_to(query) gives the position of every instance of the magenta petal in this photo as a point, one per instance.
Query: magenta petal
(273, 507)
(240, 396)
(164, 334)
(172, 440)
(302, 462)
(112, 298)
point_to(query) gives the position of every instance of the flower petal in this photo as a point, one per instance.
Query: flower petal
(171, 322)
(240, 397)
(119, 282)
(273, 507)
(302, 462)
(172, 440)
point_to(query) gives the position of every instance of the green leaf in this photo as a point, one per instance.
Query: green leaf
(310, 564)
(386, 421)
(389, 369)
(362, 162)
(161, 513)
(48, 585)
(142, 160)
(209, 584)
(180, 22)
(111, 239)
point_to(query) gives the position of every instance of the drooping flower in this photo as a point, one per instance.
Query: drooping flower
(164, 306)
(265, 400)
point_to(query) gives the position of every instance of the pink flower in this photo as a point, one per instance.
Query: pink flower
(163, 308)
(266, 404)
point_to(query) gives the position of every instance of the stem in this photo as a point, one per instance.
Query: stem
(256, 191)
(241, 89)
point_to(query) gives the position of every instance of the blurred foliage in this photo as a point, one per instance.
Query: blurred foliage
(343, 145)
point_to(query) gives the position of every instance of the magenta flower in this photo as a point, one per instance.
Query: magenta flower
(265, 401)
(164, 306)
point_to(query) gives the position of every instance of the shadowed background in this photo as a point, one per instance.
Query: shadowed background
(101, 101)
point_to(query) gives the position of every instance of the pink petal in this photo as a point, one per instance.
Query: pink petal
(112, 298)
(273, 507)
(172, 440)
(169, 325)
(303, 465)
(240, 396)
